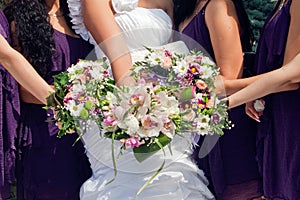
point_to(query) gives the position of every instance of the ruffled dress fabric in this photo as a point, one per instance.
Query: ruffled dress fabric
(51, 167)
(180, 177)
(9, 115)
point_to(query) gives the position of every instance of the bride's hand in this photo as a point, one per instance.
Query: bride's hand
(252, 112)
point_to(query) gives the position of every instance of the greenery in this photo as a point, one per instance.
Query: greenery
(257, 11)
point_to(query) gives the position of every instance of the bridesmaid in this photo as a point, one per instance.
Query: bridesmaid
(48, 167)
(9, 115)
(222, 28)
(278, 133)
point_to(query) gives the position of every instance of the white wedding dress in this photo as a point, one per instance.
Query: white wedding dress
(180, 177)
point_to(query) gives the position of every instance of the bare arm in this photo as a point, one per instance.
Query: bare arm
(292, 49)
(23, 72)
(99, 20)
(293, 41)
(222, 22)
(282, 79)
(234, 85)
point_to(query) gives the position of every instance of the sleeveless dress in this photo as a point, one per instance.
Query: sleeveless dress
(180, 177)
(51, 167)
(233, 159)
(9, 115)
(278, 134)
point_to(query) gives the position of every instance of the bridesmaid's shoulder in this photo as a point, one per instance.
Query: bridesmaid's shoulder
(220, 4)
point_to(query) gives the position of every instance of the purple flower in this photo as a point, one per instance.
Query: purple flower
(215, 118)
(168, 53)
(194, 69)
(187, 80)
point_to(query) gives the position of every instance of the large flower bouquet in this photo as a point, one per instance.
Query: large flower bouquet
(171, 95)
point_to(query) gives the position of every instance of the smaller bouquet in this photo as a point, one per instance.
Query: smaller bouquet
(78, 92)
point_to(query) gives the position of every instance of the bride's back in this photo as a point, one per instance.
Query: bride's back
(144, 22)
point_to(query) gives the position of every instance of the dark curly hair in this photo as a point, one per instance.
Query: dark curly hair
(185, 8)
(34, 32)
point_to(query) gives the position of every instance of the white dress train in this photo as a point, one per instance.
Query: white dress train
(180, 177)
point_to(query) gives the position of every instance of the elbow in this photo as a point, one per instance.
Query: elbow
(294, 86)
(291, 86)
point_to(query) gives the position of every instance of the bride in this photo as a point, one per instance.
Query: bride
(143, 23)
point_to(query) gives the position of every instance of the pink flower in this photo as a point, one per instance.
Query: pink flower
(131, 142)
(198, 59)
(201, 84)
(106, 74)
(68, 97)
(210, 103)
(167, 63)
(109, 121)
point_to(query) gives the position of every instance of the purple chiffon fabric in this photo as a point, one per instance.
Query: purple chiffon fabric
(278, 132)
(51, 167)
(9, 115)
(233, 158)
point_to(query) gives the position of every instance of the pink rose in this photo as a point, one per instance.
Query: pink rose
(167, 63)
(201, 84)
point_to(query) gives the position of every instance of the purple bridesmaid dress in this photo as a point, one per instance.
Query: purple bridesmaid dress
(51, 168)
(279, 130)
(232, 161)
(9, 115)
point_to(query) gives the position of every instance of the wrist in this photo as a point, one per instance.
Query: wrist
(226, 101)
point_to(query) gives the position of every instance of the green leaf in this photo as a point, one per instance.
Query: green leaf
(146, 150)
(186, 94)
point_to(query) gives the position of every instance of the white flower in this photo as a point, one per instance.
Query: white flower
(156, 57)
(207, 71)
(131, 125)
(168, 128)
(181, 67)
(128, 122)
(207, 60)
(74, 108)
(111, 98)
(168, 104)
(202, 124)
(97, 73)
(78, 88)
(151, 126)
(259, 105)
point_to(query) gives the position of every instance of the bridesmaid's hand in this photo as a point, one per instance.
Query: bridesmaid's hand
(251, 111)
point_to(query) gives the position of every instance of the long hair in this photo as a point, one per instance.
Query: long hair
(185, 8)
(33, 31)
(182, 10)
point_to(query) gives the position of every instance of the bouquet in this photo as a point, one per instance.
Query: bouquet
(173, 95)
